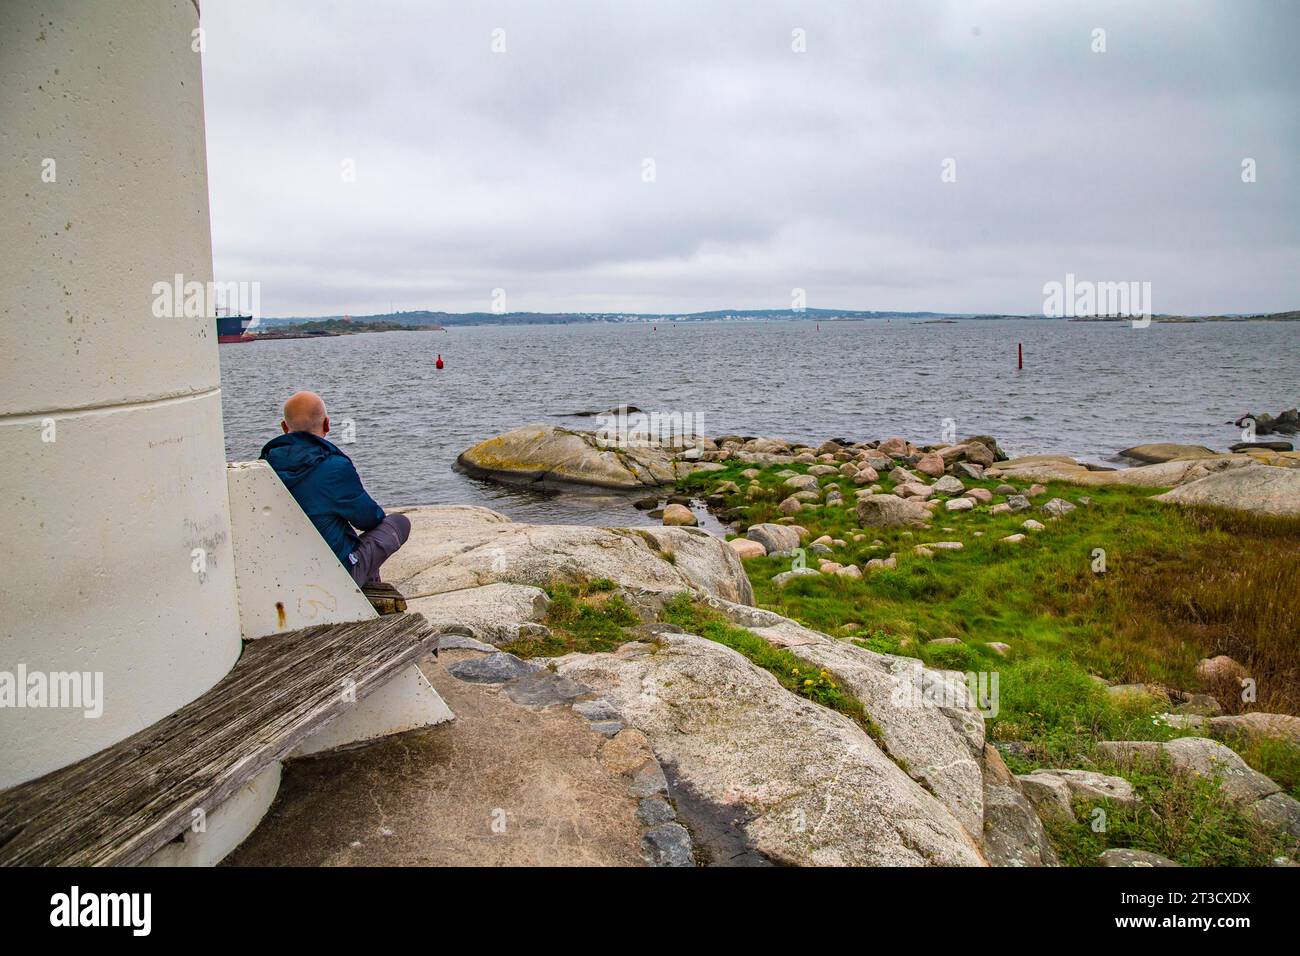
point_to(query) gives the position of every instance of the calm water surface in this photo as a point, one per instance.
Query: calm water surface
(1087, 390)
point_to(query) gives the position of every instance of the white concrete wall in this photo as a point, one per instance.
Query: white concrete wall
(100, 525)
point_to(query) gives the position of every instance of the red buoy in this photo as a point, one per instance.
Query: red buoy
(438, 364)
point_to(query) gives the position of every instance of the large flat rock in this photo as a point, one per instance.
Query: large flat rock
(493, 612)
(1167, 474)
(454, 547)
(927, 718)
(554, 455)
(806, 784)
(1261, 489)
(1157, 452)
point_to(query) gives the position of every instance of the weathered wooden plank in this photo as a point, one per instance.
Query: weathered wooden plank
(385, 598)
(119, 806)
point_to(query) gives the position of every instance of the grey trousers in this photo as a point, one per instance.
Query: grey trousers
(376, 546)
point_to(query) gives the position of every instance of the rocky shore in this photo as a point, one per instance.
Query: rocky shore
(798, 732)
(975, 808)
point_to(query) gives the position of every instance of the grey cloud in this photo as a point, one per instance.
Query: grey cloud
(821, 170)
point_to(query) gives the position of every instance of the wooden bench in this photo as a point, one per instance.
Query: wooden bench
(384, 598)
(119, 806)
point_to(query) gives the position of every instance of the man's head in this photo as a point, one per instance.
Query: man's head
(305, 412)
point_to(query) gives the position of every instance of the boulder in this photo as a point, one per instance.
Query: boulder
(1030, 524)
(893, 447)
(806, 785)
(1013, 832)
(931, 465)
(890, 511)
(550, 454)
(911, 489)
(786, 577)
(1220, 668)
(1056, 507)
(959, 504)
(776, 538)
(1279, 812)
(1089, 785)
(1165, 475)
(1256, 725)
(679, 515)
(790, 506)
(980, 495)
(1134, 858)
(966, 469)
(453, 547)
(801, 482)
(492, 612)
(1166, 451)
(948, 485)
(496, 668)
(1287, 422)
(927, 718)
(1050, 796)
(1249, 789)
(978, 453)
(989, 442)
(1209, 758)
(745, 548)
(1261, 489)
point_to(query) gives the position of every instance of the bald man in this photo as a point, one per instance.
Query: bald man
(326, 486)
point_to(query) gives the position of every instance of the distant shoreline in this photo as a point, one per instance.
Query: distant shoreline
(300, 327)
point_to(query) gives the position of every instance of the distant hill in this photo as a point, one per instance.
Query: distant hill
(447, 319)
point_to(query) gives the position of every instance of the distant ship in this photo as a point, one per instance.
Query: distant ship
(230, 328)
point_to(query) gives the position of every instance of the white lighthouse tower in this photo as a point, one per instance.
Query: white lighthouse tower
(112, 461)
(133, 563)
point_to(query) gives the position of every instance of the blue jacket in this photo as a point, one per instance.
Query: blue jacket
(325, 484)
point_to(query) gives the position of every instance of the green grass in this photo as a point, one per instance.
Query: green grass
(1183, 818)
(587, 619)
(1179, 585)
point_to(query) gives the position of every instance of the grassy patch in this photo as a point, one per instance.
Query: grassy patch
(1181, 817)
(588, 619)
(1178, 585)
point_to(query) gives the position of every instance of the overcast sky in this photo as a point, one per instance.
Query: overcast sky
(773, 169)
